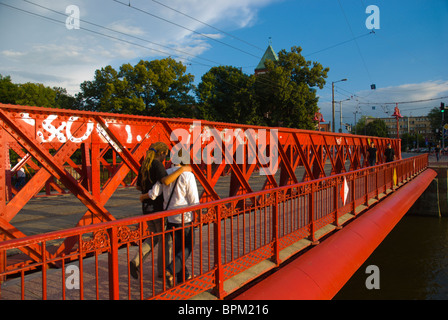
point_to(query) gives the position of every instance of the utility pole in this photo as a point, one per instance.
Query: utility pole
(442, 109)
(332, 101)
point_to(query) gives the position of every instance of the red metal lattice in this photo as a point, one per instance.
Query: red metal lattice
(47, 139)
(49, 142)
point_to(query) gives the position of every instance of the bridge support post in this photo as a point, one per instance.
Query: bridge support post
(219, 273)
(113, 265)
(276, 256)
(311, 215)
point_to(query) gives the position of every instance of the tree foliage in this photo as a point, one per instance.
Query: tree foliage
(375, 128)
(225, 95)
(435, 118)
(34, 94)
(283, 96)
(155, 88)
(286, 94)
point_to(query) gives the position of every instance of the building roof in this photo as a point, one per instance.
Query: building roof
(268, 55)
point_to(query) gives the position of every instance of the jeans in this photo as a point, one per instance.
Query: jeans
(155, 226)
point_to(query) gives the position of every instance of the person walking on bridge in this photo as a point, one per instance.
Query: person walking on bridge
(437, 152)
(151, 172)
(389, 153)
(182, 193)
(372, 154)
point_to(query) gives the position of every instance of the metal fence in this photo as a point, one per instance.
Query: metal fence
(230, 236)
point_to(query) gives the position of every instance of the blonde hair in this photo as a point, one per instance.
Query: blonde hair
(155, 149)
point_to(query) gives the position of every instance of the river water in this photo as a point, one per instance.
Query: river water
(412, 262)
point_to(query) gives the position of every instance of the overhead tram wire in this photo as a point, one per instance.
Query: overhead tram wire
(101, 34)
(96, 32)
(405, 102)
(266, 81)
(208, 25)
(356, 42)
(340, 43)
(186, 28)
(177, 50)
(191, 30)
(129, 35)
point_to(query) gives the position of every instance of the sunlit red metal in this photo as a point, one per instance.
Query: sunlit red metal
(231, 236)
(320, 273)
(49, 141)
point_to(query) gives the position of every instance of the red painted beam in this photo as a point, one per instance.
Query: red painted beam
(321, 272)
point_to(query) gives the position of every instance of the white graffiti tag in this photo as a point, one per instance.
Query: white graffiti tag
(63, 132)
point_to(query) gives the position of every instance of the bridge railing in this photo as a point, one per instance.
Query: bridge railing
(230, 236)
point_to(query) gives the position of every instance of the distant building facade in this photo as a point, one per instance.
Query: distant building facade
(411, 125)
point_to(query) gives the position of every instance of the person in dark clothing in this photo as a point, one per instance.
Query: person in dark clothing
(151, 172)
(437, 152)
(389, 153)
(372, 154)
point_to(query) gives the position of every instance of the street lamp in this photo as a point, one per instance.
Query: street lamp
(332, 100)
(340, 109)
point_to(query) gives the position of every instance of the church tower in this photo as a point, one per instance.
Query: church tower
(268, 55)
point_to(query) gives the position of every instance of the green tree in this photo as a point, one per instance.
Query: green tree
(225, 95)
(375, 128)
(34, 94)
(435, 117)
(285, 94)
(8, 90)
(107, 93)
(156, 88)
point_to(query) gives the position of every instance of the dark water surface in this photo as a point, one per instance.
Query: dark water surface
(412, 262)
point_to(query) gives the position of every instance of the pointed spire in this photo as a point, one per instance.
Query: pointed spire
(268, 55)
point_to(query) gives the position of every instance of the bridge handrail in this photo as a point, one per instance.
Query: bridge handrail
(252, 228)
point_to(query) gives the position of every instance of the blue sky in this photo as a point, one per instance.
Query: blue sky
(406, 58)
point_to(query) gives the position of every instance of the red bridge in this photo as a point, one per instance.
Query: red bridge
(276, 193)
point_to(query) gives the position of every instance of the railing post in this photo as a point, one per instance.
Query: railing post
(354, 193)
(219, 273)
(336, 202)
(44, 270)
(377, 170)
(113, 264)
(276, 253)
(311, 214)
(366, 186)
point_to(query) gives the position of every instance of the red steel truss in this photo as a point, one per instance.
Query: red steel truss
(67, 150)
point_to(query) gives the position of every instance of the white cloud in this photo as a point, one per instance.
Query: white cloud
(12, 54)
(46, 51)
(414, 99)
(406, 92)
(380, 103)
(127, 28)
